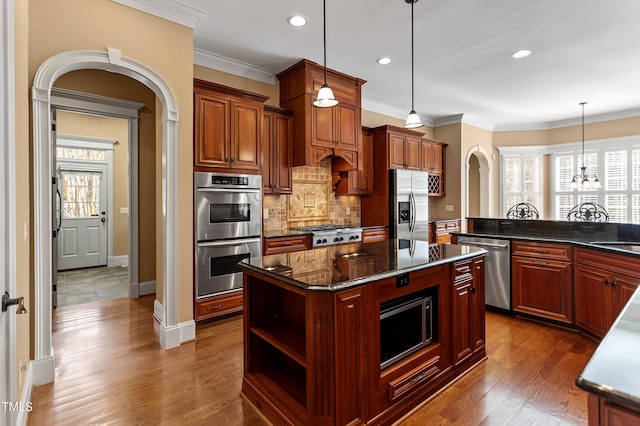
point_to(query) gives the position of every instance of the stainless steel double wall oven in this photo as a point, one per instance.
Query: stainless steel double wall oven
(228, 228)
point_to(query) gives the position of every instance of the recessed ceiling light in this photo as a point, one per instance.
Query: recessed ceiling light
(384, 61)
(297, 20)
(521, 54)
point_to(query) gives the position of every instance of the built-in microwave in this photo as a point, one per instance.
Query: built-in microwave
(406, 326)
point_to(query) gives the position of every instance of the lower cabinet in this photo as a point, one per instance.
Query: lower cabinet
(286, 244)
(468, 308)
(602, 291)
(215, 306)
(604, 412)
(371, 235)
(542, 281)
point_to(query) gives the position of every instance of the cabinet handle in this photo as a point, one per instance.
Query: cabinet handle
(418, 378)
(540, 250)
(539, 262)
(613, 283)
(606, 281)
(287, 243)
(211, 308)
(473, 290)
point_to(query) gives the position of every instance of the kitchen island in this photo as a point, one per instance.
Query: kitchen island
(359, 333)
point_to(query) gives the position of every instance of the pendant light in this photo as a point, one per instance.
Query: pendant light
(413, 120)
(583, 179)
(325, 97)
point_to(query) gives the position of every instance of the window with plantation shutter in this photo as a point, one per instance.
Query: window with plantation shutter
(618, 170)
(520, 180)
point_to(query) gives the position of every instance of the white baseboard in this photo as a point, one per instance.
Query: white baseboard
(43, 370)
(145, 288)
(25, 398)
(173, 336)
(158, 311)
(118, 260)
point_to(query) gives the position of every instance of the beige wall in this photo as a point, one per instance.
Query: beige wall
(23, 257)
(69, 123)
(162, 46)
(214, 76)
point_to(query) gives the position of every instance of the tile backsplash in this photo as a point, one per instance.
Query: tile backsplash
(312, 201)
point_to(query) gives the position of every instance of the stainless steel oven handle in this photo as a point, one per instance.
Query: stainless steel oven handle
(245, 190)
(229, 242)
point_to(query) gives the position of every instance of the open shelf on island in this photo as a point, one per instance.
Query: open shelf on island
(285, 336)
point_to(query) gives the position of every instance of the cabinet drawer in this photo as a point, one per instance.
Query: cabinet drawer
(443, 238)
(220, 305)
(286, 244)
(462, 271)
(624, 264)
(552, 251)
(415, 377)
(377, 234)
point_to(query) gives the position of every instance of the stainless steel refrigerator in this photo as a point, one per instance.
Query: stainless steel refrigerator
(409, 204)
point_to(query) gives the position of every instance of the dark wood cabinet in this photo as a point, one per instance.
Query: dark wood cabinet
(371, 235)
(606, 412)
(440, 230)
(360, 182)
(433, 160)
(404, 147)
(227, 128)
(467, 308)
(542, 283)
(276, 150)
(286, 244)
(322, 132)
(215, 306)
(604, 283)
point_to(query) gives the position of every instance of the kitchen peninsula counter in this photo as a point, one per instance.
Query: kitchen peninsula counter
(611, 375)
(316, 351)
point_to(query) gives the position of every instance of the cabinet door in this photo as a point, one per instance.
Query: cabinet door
(623, 288)
(436, 158)
(281, 143)
(461, 307)
(361, 181)
(246, 134)
(592, 299)
(322, 121)
(350, 358)
(426, 156)
(347, 126)
(478, 331)
(211, 131)
(396, 151)
(412, 153)
(543, 288)
(267, 149)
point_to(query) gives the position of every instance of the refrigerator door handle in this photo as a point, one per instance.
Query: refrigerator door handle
(412, 209)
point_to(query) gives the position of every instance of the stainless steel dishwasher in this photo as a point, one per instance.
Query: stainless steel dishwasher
(497, 271)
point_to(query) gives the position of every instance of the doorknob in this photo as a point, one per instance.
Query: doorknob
(6, 302)
(103, 219)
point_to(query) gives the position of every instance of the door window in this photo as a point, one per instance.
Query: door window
(80, 194)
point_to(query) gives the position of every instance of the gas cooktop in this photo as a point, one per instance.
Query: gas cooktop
(326, 235)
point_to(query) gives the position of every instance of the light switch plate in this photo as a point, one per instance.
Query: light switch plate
(448, 208)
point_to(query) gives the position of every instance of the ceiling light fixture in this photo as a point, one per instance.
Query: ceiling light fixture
(413, 120)
(325, 98)
(297, 20)
(521, 54)
(384, 60)
(583, 179)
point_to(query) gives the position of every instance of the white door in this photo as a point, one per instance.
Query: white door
(82, 239)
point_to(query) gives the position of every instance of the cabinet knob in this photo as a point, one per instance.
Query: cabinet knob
(613, 283)
(606, 281)
(473, 290)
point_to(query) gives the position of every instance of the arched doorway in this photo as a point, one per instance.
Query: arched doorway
(477, 194)
(49, 71)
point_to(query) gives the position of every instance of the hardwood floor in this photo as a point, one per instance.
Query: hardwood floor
(110, 369)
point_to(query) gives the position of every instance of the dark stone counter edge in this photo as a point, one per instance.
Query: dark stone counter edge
(600, 245)
(359, 281)
(608, 391)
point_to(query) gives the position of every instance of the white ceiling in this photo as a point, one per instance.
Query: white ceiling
(583, 50)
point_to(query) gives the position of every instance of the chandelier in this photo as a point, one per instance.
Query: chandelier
(583, 179)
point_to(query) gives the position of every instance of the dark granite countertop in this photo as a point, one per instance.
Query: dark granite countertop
(339, 267)
(612, 371)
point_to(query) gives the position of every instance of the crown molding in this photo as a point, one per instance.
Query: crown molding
(384, 109)
(597, 118)
(231, 66)
(170, 10)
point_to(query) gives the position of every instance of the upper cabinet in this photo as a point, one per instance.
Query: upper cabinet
(227, 128)
(276, 150)
(404, 148)
(360, 182)
(322, 132)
